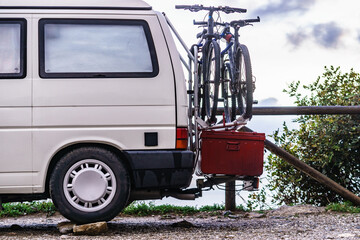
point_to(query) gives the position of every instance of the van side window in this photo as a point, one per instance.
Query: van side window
(12, 48)
(90, 48)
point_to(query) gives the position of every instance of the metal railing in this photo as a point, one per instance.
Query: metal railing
(191, 67)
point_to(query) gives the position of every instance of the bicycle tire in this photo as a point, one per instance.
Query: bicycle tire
(243, 76)
(201, 102)
(211, 77)
(225, 90)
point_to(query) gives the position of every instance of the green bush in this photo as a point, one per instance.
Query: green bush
(328, 143)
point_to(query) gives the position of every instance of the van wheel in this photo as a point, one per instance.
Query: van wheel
(90, 185)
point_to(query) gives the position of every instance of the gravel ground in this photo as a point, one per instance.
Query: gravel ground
(299, 222)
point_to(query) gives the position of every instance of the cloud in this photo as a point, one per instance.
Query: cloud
(327, 34)
(296, 38)
(271, 101)
(358, 36)
(284, 7)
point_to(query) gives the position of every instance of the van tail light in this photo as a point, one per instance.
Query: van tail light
(181, 138)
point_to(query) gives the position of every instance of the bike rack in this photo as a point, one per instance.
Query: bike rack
(195, 122)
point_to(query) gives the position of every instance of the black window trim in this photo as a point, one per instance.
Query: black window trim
(23, 47)
(153, 55)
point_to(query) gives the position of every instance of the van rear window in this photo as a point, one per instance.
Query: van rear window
(79, 48)
(12, 48)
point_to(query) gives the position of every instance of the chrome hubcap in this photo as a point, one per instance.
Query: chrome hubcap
(89, 185)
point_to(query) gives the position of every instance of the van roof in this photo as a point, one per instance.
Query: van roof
(75, 4)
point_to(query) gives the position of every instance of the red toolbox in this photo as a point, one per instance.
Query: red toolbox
(232, 153)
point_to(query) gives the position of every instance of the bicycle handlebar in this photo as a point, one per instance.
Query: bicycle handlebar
(253, 20)
(245, 22)
(225, 9)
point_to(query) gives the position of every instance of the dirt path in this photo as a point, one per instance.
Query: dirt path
(286, 223)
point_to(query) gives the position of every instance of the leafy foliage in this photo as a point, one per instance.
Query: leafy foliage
(257, 200)
(328, 143)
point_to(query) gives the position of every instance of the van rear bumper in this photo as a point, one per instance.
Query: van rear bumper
(167, 169)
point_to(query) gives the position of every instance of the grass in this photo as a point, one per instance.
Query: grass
(134, 209)
(19, 209)
(345, 207)
(147, 209)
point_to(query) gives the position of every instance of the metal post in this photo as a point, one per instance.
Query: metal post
(190, 116)
(178, 37)
(306, 110)
(230, 203)
(196, 98)
(302, 110)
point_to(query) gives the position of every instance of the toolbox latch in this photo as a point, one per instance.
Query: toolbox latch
(232, 146)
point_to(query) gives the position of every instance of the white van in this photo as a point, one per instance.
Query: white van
(93, 109)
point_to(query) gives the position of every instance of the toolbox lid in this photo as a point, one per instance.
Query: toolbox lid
(76, 4)
(233, 135)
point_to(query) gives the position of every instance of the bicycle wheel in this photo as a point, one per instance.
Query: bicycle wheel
(225, 90)
(211, 75)
(243, 76)
(201, 102)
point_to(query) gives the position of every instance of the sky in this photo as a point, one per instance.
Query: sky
(294, 41)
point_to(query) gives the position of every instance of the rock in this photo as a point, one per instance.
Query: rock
(233, 216)
(346, 235)
(227, 213)
(230, 236)
(15, 227)
(65, 227)
(91, 228)
(254, 215)
(183, 224)
(167, 216)
(296, 210)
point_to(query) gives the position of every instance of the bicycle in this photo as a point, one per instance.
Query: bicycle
(236, 70)
(210, 76)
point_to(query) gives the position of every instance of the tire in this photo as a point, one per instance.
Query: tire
(225, 90)
(243, 76)
(201, 86)
(90, 184)
(211, 77)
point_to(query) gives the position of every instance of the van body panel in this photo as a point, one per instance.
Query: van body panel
(15, 118)
(120, 116)
(50, 141)
(85, 109)
(15, 125)
(14, 183)
(15, 93)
